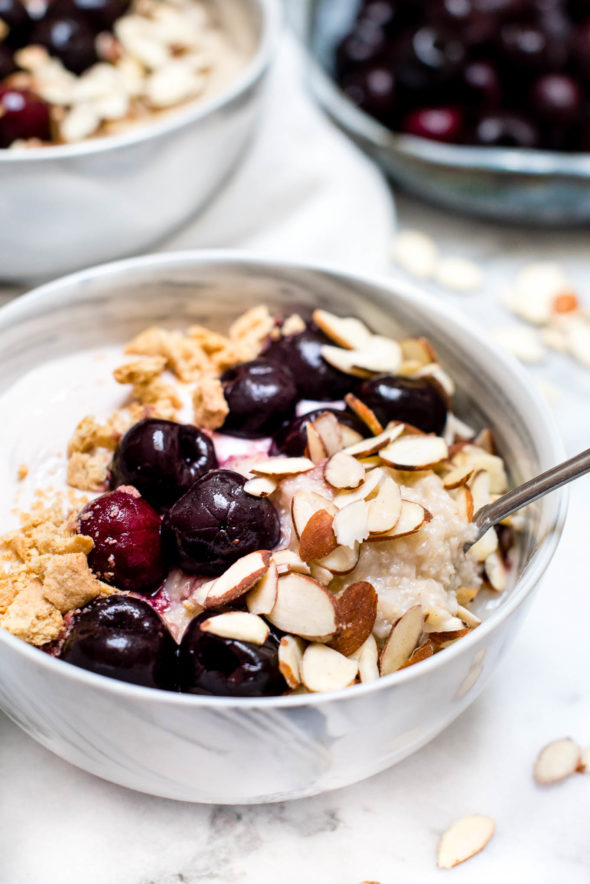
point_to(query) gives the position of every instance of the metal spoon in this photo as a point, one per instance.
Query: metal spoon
(514, 500)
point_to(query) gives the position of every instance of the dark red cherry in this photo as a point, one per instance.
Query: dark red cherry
(100, 15)
(123, 637)
(68, 39)
(435, 123)
(301, 355)
(127, 550)
(506, 129)
(162, 459)
(22, 115)
(413, 401)
(428, 59)
(216, 522)
(557, 99)
(225, 667)
(260, 395)
(15, 16)
(7, 63)
(373, 89)
(362, 45)
(291, 438)
(482, 86)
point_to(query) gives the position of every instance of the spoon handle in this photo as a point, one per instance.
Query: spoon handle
(509, 503)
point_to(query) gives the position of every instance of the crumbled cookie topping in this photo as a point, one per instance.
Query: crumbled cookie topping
(90, 450)
(210, 407)
(154, 395)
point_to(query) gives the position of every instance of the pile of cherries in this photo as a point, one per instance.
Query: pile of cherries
(502, 73)
(68, 30)
(173, 507)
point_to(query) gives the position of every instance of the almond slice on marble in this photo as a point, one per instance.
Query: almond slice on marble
(464, 500)
(412, 517)
(260, 486)
(457, 477)
(283, 466)
(261, 599)
(317, 538)
(329, 430)
(368, 660)
(348, 332)
(419, 350)
(315, 448)
(384, 510)
(344, 471)
(556, 761)
(343, 560)
(356, 611)
(402, 640)
(323, 669)
(363, 411)
(238, 625)
(288, 561)
(364, 491)
(415, 452)
(304, 504)
(344, 361)
(495, 571)
(238, 579)
(290, 657)
(463, 839)
(304, 608)
(351, 524)
(422, 652)
(479, 485)
(373, 444)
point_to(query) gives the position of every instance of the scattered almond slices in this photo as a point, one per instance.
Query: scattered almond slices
(322, 575)
(262, 598)
(466, 594)
(349, 332)
(368, 660)
(304, 608)
(304, 504)
(260, 486)
(364, 491)
(484, 547)
(415, 452)
(351, 525)
(495, 571)
(463, 839)
(288, 561)
(344, 361)
(412, 517)
(367, 447)
(556, 761)
(238, 625)
(467, 454)
(457, 477)
(384, 510)
(343, 560)
(323, 669)
(356, 614)
(468, 617)
(283, 466)
(344, 471)
(238, 579)
(363, 411)
(290, 657)
(315, 448)
(329, 431)
(318, 538)
(402, 640)
(418, 350)
(423, 652)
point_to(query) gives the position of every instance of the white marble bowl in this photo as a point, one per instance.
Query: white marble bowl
(69, 206)
(213, 749)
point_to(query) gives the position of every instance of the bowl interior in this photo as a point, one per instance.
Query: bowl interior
(113, 303)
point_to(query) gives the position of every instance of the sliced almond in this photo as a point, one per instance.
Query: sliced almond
(349, 436)
(479, 485)
(238, 625)
(466, 453)
(260, 486)
(385, 509)
(444, 638)
(556, 761)
(466, 594)
(415, 452)
(261, 599)
(464, 500)
(288, 561)
(344, 471)
(324, 669)
(315, 448)
(412, 517)
(363, 411)
(373, 444)
(418, 349)
(304, 504)
(467, 616)
(433, 372)
(317, 538)
(368, 660)
(351, 524)
(283, 466)
(402, 640)
(238, 579)
(423, 652)
(290, 657)
(322, 575)
(304, 608)
(380, 356)
(466, 837)
(342, 561)
(495, 570)
(347, 332)
(356, 613)
(457, 477)
(363, 492)
(459, 429)
(484, 547)
(344, 361)
(329, 431)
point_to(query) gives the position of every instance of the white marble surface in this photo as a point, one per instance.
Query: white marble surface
(61, 826)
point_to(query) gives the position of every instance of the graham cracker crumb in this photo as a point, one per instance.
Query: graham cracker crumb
(90, 451)
(22, 472)
(251, 330)
(89, 472)
(148, 388)
(209, 403)
(183, 355)
(69, 583)
(30, 616)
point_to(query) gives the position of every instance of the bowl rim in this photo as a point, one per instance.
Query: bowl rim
(528, 162)
(177, 118)
(409, 293)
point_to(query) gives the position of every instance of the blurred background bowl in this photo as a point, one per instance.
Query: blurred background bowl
(536, 187)
(250, 750)
(65, 207)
